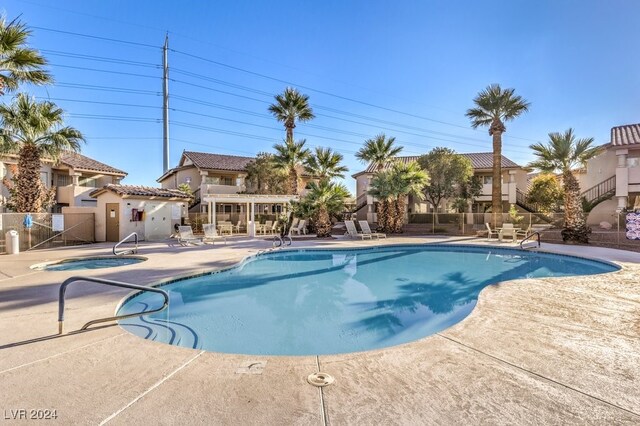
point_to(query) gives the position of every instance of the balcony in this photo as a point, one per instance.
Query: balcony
(72, 195)
(208, 189)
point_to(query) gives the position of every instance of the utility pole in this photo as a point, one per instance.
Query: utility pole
(165, 105)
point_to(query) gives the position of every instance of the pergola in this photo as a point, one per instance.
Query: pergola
(250, 200)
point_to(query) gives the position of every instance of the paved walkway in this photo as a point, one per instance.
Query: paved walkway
(535, 351)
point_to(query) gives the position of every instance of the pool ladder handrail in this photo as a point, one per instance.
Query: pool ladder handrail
(65, 284)
(131, 251)
(528, 238)
(281, 241)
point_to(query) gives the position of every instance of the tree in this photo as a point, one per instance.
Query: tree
(447, 171)
(545, 192)
(325, 164)
(34, 130)
(392, 187)
(264, 177)
(291, 106)
(289, 157)
(18, 62)
(564, 153)
(324, 200)
(378, 151)
(495, 106)
(467, 191)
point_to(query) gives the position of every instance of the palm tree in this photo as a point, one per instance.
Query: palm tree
(34, 130)
(324, 200)
(291, 106)
(18, 62)
(325, 164)
(379, 151)
(289, 157)
(391, 188)
(564, 153)
(494, 106)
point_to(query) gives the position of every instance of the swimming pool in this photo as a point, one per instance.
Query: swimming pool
(312, 302)
(75, 264)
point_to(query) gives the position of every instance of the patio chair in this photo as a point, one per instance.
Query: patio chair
(366, 229)
(523, 233)
(211, 234)
(266, 228)
(353, 232)
(300, 229)
(294, 223)
(274, 227)
(508, 230)
(186, 237)
(237, 226)
(491, 232)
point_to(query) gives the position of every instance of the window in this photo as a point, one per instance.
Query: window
(633, 162)
(88, 182)
(487, 180)
(219, 180)
(62, 180)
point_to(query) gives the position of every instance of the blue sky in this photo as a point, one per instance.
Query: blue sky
(409, 69)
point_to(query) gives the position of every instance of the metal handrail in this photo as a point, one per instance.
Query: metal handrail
(65, 284)
(281, 241)
(135, 250)
(529, 237)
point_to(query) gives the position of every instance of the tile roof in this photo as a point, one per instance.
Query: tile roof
(141, 191)
(625, 135)
(204, 160)
(82, 162)
(479, 160)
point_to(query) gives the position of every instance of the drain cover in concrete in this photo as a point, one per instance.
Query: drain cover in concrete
(320, 379)
(251, 367)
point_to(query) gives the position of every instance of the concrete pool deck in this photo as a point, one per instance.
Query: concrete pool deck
(534, 351)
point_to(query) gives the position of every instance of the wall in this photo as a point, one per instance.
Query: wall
(599, 169)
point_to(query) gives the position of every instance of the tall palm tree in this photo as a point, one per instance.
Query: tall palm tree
(495, 106)
(325, 164)
(379, 151)
(291, 106)
(34, 130)
(564, 154)
(289, 157)
(325, 199)
(18, 62)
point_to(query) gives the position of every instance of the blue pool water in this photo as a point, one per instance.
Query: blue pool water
(92, 263)
(325, 302)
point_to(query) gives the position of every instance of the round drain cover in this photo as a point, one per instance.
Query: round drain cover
(320, 379)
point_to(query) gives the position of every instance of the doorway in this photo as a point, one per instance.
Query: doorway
(113, 222)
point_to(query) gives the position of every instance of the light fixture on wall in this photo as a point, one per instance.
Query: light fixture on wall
(187, 180)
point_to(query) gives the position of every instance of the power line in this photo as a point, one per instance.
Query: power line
(113, 40)
(99, 58)
(105, 71)
(108, 89)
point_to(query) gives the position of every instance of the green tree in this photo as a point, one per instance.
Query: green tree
(264, 177)
(495, 106)
(546, 193)
(324, 200)
(325, 164)
(392, 187)
(447, 171)
(379, 151)
(467, 191)
(291, 106)
(289, 158)
(564, 154)
(34, 130)
(18, 62)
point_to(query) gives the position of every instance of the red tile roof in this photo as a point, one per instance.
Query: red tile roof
(82, 162)
(625, 135)
(141, 191)
(479, 160)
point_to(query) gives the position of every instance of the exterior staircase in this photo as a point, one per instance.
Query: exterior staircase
(599, 193)
(361, 202)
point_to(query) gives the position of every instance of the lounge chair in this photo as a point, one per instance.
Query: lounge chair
(300, 229)
(353, 232)
(294, 223)
(274, 228)
(266, 228)
(508, 230)
(523, 233)
(211, 234)
(366, 229)
(186, 237)
(491, 232)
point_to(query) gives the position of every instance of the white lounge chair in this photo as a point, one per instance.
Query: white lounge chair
(186, 237)
(491, 232)
(266, 228)
(366, 229)
(211, 234)
(300, 229)
(353, 231)
(508, 230)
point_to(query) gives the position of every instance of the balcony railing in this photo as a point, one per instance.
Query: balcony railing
(209, 188)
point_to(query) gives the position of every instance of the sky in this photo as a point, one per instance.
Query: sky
(408, 69)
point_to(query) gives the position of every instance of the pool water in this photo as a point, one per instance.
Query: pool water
(313, 302)
(91, 263)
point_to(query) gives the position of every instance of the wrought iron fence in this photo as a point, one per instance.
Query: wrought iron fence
(48, 230)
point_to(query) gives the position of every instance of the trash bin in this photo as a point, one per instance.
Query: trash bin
(12, 242)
